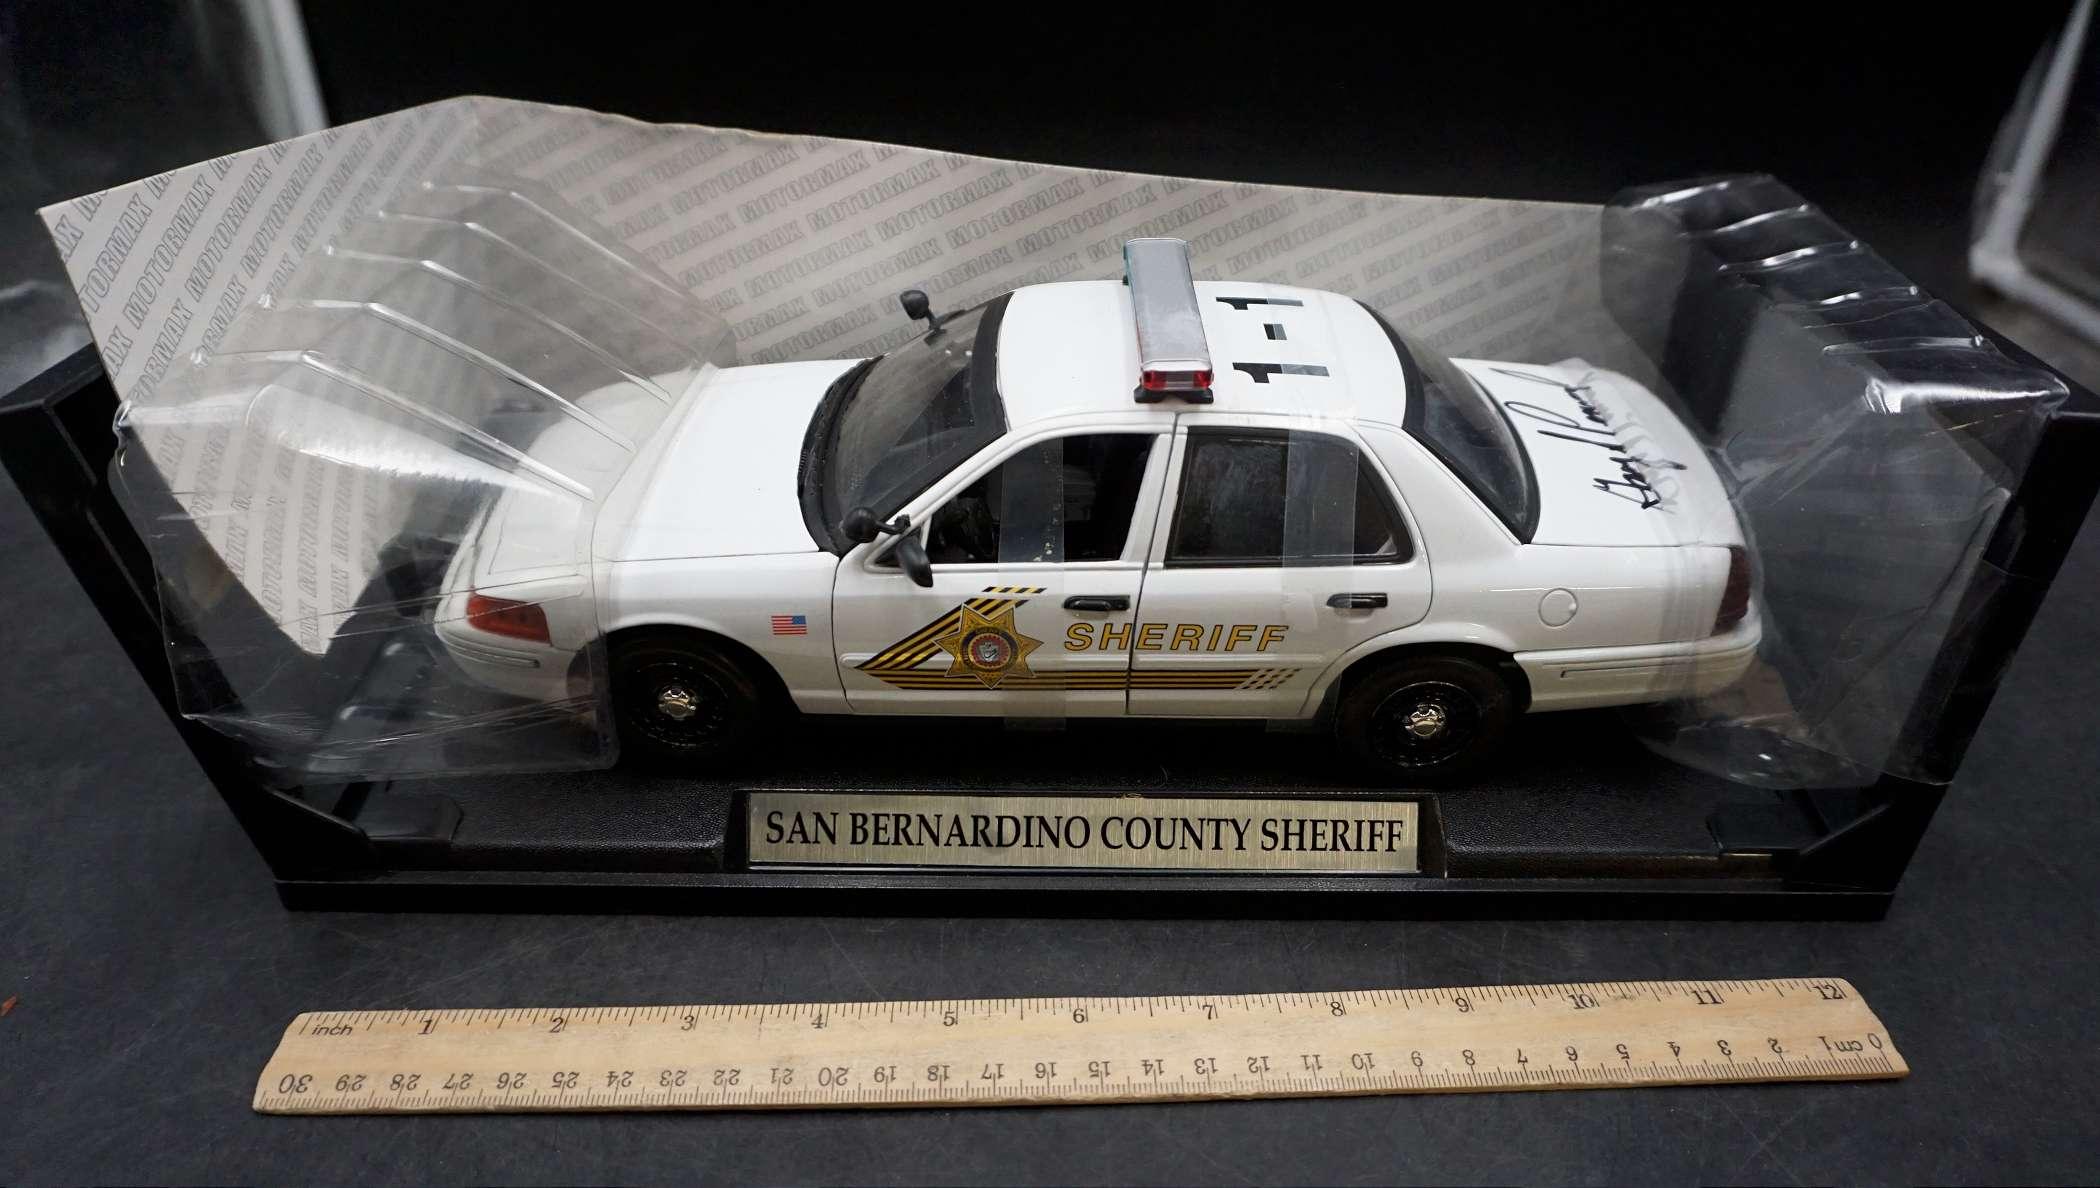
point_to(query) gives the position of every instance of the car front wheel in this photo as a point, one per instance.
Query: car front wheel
(1425, 719)
(679, 702)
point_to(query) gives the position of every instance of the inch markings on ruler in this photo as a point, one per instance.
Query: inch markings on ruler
(1021, 1051)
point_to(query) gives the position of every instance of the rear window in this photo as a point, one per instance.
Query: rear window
(1466, 430)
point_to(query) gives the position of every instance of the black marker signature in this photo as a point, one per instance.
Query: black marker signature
(1632, 483)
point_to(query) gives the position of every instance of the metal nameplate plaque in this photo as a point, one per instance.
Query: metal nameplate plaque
(1260, 835)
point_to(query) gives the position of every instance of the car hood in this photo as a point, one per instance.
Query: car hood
(1613, 464)
(719, 480)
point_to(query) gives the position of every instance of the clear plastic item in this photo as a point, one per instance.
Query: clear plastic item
(2032, 236)
(416, 431)
(1873, 439)
(416, 359)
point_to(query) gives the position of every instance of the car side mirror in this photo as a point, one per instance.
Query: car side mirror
(912, 559)
(919, 309)
(860, 525)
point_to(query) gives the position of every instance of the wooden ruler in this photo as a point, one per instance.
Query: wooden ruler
(1076, 1050)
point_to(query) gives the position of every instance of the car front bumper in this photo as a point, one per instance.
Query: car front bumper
(520, 668)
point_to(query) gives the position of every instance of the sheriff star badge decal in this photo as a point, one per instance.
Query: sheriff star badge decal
(987, 647)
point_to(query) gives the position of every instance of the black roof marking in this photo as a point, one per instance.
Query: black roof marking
(1262, 371)
(1241, 303)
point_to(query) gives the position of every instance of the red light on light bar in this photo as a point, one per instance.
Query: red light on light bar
(501, 616)
(1173, 381)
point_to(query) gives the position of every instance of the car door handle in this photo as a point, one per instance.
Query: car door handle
(1098, 602)
(1356, 601)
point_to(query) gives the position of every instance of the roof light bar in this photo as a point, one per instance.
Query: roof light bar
(1173, 356)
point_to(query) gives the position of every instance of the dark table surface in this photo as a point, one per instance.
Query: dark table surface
(154, 968)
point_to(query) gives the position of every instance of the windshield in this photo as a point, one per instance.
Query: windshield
(1467, 431)
(912, 415)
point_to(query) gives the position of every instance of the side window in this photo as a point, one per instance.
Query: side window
(1250, 497)
(1068, 499)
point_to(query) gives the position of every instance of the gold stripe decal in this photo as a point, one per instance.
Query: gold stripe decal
(914, 649)
(1269, 678)
(1230, 679)
(987, 653)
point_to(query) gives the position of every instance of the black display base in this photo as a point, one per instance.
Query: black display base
(1111, 897)
(1619, 832)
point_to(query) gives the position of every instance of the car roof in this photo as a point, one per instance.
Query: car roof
(1071, 348)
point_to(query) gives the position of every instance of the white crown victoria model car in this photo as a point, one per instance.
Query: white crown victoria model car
(1053, 504)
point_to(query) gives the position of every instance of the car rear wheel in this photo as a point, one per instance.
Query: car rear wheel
(678, 701)
(1425, 719)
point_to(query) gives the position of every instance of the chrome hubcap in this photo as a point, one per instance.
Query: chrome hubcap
(1426, 721)
(677, 702)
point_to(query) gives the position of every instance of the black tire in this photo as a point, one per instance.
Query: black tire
(1427, 719)
(680, 702)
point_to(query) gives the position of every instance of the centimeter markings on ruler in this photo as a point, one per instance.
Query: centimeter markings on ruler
(1020, 1051)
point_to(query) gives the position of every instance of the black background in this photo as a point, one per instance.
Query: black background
(1877, 111)
(155, 970)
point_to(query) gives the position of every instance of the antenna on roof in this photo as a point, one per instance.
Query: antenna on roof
(1173, 355)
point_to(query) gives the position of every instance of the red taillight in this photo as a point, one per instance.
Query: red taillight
(501, 616)
(1735, 595)
(1173, 381)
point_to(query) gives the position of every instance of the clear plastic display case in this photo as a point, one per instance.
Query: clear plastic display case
(356, 389)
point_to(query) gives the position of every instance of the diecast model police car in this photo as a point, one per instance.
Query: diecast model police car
(1142, 498)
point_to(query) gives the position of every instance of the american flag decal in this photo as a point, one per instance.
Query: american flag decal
(791, 624)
